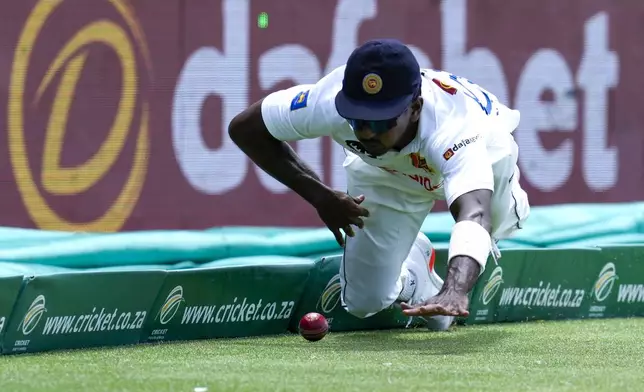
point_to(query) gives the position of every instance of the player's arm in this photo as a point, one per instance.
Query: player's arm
(470, 241)
(270, 150)
(262, 132)
(468, 183)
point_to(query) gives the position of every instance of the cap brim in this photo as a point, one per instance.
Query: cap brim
(371, 111)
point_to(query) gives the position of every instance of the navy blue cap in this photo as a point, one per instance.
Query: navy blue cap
(381, 79)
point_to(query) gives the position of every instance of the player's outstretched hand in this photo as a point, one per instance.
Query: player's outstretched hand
(340, 211)
(445, 304)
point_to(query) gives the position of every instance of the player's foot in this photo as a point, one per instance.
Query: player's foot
(428, 283)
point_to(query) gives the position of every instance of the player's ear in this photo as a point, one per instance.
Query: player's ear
(416, 108)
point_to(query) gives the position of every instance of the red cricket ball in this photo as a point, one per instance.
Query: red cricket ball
(313, 326)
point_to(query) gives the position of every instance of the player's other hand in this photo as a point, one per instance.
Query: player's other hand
(442, 304)
(340, 211)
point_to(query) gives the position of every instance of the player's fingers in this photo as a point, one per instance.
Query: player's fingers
(363, 211)
(358, 222)
(338, 237)
(426, 310)
(448, 311)
(461, 311)
(349, 231)
(357, 209)
(411, 312)
(455, 309)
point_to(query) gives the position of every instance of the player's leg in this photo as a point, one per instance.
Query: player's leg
(388, 260)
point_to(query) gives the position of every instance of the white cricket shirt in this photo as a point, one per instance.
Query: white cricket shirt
(447, 158)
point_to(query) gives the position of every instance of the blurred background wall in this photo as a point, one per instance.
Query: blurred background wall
(115, 112)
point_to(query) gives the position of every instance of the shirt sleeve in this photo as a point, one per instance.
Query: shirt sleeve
(464, 163)
(293, 113)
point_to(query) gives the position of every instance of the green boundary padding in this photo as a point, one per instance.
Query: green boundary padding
(548, 227)
(66, 290)
(251, 296)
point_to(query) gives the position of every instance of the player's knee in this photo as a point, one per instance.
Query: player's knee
(361, 311)
(365, 305)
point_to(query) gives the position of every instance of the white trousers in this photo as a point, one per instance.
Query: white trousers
(371, 269)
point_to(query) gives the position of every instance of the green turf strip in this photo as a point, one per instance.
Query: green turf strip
(597, 355)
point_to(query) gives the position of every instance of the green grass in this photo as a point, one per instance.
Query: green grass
(588, 355)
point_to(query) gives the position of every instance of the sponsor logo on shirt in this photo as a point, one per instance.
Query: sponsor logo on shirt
(457, 146)
(420, 163)
(425, 182)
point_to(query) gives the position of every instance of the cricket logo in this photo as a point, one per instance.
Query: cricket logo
(331, 295)
(171, 305)
(372, 83)
(492, 285)
(33, 315)
(605, 282)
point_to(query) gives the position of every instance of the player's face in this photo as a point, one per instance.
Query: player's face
(378, 137)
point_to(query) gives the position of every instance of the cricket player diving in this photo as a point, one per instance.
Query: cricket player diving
(412, 136)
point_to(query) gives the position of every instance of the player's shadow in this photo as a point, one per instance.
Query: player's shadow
(458, 341)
